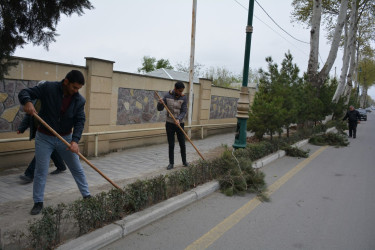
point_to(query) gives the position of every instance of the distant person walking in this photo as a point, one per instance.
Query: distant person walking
(62, 109)
(353, 118)
(176, 102)
(29, 122)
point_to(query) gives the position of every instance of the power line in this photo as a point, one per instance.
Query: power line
(273, 29)
(279, 25)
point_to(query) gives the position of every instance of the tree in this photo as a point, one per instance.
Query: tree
(163, 63)
(358, 23)
(311, 13)
(185, 67)
(150, 64)
(221, 77)
(367, 66)
(31, 21)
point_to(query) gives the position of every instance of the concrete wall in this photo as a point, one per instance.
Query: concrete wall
(115, 101)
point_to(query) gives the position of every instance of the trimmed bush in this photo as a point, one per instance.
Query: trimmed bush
(332, 139)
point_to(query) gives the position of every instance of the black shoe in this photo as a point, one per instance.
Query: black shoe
(354, 137)
(349, 136)
(170, 166)
(26, 179)
(38, 206)
(186, 164)
(87, 197)
(57, 171)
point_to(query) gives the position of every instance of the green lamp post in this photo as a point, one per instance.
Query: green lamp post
(243, 102)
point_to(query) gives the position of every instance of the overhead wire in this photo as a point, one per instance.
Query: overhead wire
(279, 28)
(272, 29)
(279, 25)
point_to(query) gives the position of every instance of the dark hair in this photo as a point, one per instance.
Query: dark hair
(75, 76)
(179, 85)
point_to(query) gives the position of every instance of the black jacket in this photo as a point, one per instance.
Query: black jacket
(352, 115)
(177, 106)
(29, 121)
(51, 96)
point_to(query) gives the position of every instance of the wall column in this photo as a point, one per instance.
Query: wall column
(98, 100)
(204, 101)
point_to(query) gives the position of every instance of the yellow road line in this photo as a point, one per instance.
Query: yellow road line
(215, 233)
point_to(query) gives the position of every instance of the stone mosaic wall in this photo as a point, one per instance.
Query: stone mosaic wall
(223, 107)
(10, 109)
(135, 106)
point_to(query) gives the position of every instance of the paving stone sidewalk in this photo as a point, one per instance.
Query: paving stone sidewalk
(119, 166)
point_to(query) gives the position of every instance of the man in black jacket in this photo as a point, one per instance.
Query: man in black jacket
(177, 103)
(353, 118)
(62, 109)
(29, 122)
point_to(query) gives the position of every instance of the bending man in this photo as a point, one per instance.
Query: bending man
(63, 110)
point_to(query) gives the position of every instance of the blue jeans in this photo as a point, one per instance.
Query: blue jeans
(44, 146)
(59, 163)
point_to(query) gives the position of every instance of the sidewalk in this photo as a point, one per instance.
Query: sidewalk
(120, 167)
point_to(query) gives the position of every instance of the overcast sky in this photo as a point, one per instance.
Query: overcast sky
(124, 31)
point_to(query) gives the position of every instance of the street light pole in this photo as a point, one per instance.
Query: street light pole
(243, 102)
(191, 71)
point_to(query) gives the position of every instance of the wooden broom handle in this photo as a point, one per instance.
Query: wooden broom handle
(80, 155)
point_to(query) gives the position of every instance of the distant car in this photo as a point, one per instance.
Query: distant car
(368, 110)
(362, 114)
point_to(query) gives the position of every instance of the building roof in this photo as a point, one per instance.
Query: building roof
(171, 74)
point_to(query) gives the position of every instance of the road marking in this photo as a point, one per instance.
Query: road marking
(215, 233)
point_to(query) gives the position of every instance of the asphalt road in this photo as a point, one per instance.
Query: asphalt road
(326, 201)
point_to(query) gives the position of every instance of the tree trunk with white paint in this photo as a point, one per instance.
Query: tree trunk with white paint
(323, 74)
(312, 67)
(349, 47)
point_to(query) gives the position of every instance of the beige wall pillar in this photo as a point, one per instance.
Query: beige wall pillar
(204, 101)
(98, 100)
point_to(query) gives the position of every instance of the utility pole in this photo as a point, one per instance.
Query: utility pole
(191, 71)
(243, 102)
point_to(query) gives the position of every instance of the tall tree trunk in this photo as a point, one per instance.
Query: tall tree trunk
(349, 47)
(345, 64)
(323, 74)
(312, 67)
(349, 80)
(363, 97)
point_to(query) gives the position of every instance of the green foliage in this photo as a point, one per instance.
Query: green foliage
(45, 232)
(237, 176)
(255, 151)
(163, 64)
(332, 139)
(221, 77)
(296, 152)
(284, 99)
(150, 64)
(35, 22)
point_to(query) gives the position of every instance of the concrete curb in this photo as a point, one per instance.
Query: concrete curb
(279, 154)
(115, 231)
(110, 233)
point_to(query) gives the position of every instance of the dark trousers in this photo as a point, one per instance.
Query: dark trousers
(171, 130)
(352, 128)
(57, 160)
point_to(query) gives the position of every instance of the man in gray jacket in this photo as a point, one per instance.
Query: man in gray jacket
(177, 103)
